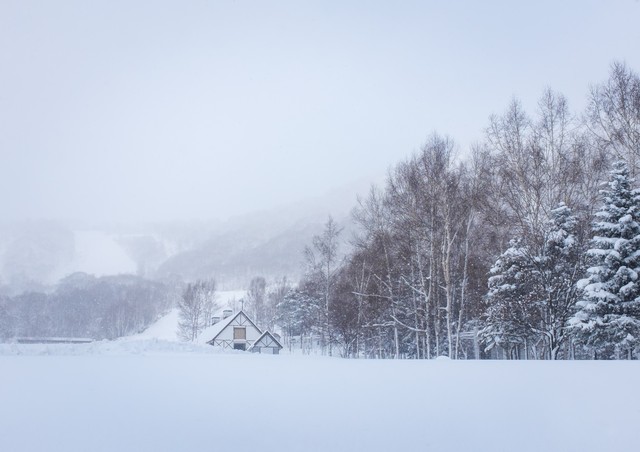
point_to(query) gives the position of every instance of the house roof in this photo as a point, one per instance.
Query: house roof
(209, 334)
(266, 333)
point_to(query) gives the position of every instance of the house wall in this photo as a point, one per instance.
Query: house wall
(226, 335)
(266, 350)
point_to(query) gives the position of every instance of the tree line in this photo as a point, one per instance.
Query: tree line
(87, 306)
(516, 250)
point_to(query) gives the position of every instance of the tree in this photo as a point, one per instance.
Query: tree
(532, 292)
(275, 296)
(256, 300)
(6, 322)
(560, 265)
(613, 115)
(345, 310)
(297, 313)
(322, 267)
(608, 316)
(540, 162)
(511, 300)
(417, 270)
(196, 308)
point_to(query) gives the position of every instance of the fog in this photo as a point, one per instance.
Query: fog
(154, 111)
(366, 179)
(213, 139)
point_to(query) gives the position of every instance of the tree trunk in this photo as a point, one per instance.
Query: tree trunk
(465, 280)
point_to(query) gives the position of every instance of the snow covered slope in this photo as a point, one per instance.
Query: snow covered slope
(201, 400)
(166, 328)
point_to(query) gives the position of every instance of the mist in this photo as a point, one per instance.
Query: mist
(213, 140)
(156, 111)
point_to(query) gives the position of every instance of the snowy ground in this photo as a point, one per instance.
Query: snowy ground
(160, 396)
(150, 392)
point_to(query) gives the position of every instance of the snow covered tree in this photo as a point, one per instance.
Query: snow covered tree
(196, 307)
(560, 267)
(608, 316)
(532, 289)
(297, 313)
(511, 300)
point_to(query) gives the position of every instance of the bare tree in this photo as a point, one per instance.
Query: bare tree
(275, 295)
(256, 300)
(196, 307)
(613, 115)
(323, 264)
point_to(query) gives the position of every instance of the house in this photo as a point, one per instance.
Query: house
(267, 343)
(235, 331)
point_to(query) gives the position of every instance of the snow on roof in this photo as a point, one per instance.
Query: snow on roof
(257, 342)
(210, 333)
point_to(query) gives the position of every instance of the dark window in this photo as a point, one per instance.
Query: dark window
(241, 346)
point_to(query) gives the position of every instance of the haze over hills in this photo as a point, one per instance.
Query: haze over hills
(34, 255)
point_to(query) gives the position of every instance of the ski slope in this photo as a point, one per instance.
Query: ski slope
(157, 396)
(166, 328)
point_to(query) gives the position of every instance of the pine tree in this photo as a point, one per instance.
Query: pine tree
(608, 315)
(297, 315)
(560, 266)
(511, 299)
(532, 289)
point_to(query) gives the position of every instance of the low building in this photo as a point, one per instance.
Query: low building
(267, 343)
(236, 332)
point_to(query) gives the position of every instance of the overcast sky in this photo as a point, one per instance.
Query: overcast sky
(152, 110)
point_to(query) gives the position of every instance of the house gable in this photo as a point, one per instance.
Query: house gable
(267, 340)
(239, 332)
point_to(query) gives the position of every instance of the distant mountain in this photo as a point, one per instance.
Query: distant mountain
(267, 243)
(234, 257)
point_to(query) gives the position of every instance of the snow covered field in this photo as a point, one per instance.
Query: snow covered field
(160, 396)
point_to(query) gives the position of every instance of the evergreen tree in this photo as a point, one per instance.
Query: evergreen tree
(532, 289)
(297, 315)
(560, 266)
(608, 316)
(511, 299)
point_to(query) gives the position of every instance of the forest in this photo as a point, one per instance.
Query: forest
(526, 246)
(86, 306)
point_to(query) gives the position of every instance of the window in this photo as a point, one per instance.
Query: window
(239, 333)
(239, 346)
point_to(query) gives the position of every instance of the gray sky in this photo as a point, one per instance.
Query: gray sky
(152, 110)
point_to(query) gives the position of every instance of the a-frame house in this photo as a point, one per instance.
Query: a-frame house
(266, 343)
(236, 332)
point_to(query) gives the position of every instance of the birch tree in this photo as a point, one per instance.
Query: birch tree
(196, 307)
(322, 266)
